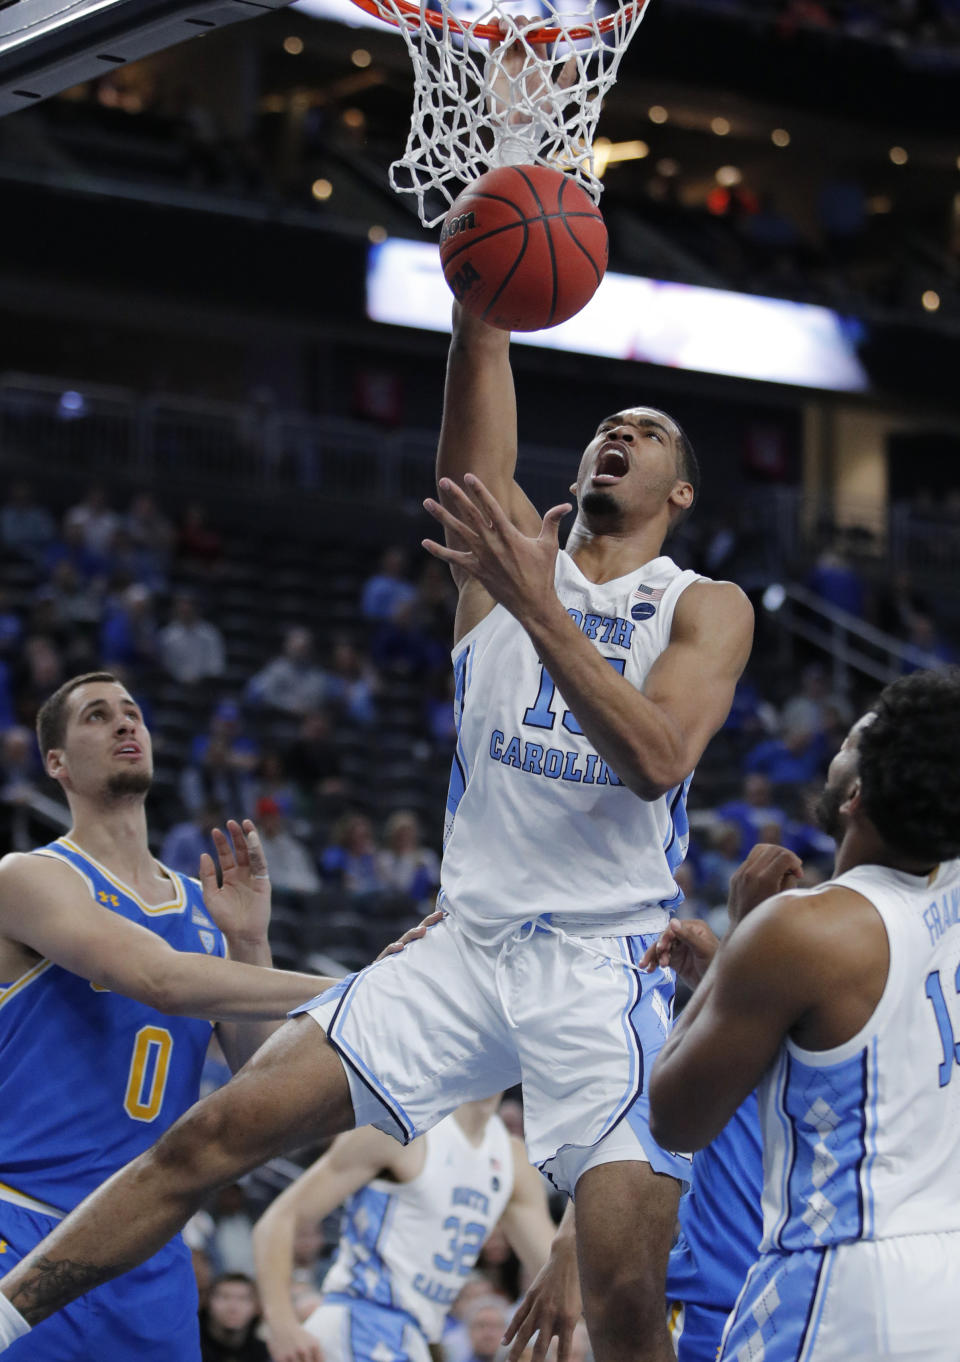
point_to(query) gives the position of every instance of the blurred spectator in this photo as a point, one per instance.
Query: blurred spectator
(271, 781)
(288, 860)
(351, 684)
(719, 861)
(150, 530)
(313, 760)
(923, 634)
(226, 727)
(231, 1245)
(72, 599)
(219, 778)
(388, 588)
(837, 583)
(752, 810)
(403, 644)
(129, 634)
(456, 1336)
(350, 859)
(816, 706)
(26, 527)
(19, 784)
(404, 865)
(126, 562)
(7, 708)
(795, 758)
(500, 1265)
(436, 600)
(511, 1114)
(185, 842)
(71, 547)
(439, 711)
(191, 649)
(94, 519)
(228, 1325)
(486, 1320)
(198, 545)
(292, 682)
(11, 625)
(40, 673)
(312, 1256)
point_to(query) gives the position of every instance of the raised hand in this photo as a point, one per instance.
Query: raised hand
(516, 569)
(517, 78)
(292, 1343)
(240, 906)
(768, 870)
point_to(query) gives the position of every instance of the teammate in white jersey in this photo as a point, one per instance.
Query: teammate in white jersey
(588, 685)
(415, 1220)
(841, 1002)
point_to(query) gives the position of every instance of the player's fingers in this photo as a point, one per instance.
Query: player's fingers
(495, 513)
(519, 1331)
(551, 521)
(256, 855)
(239, 842)
(568, 74)
(224, 850)
(541, 1344)
(467, 531)
(208, 872)
(469, 504)
(464, 560)
(564, 1339)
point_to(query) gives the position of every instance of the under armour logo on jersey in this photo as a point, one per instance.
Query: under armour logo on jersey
(3, 1245)
(110, 899)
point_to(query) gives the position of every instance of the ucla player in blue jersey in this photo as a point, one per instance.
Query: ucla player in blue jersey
(841, 1002)
(588, 683)
(415, 1219)
(111, 967)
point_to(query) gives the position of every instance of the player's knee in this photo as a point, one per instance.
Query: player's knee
(197, 1151)
(624, 1300)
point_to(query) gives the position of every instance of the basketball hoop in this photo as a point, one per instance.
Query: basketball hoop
(499, 91)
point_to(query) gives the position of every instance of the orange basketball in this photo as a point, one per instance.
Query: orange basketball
(523, 247)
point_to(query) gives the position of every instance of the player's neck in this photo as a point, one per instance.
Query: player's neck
(472, 1120)
(116, 836)
(604, 556)
(863, 845)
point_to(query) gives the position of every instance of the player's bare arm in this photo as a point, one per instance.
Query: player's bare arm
(526, 1219)
(353, 1160)
(553, 1303)
(46, 913)
(478, 434)
(785, 970)
(654, 739)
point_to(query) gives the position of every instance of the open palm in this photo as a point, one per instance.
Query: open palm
(240, 904)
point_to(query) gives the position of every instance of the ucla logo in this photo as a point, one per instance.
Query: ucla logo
(644, 611)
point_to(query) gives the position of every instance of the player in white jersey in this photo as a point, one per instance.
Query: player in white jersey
(588, 684)
(415, 1219)
(841, 1002)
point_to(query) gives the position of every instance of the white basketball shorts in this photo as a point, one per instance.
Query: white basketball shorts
(359, 1331)
(889, 1299)
(447, 1021)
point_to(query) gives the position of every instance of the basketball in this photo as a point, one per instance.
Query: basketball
(523, 248)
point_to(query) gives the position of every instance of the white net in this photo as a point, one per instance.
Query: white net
(515, 99)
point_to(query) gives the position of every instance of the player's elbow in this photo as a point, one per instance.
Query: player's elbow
(651, 777)
(674, 1116)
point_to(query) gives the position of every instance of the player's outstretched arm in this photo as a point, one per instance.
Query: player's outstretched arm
(652, 739)
(350, 1163)
(553, 1303)
(45, 907)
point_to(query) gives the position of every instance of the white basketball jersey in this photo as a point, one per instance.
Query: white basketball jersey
(860, 1142)
(412, 1245)
(537, 825)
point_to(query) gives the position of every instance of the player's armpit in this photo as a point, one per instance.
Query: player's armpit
(763, 979)
(693, 681)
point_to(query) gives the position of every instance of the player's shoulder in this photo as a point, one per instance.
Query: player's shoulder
(32, 867)
(704, 597)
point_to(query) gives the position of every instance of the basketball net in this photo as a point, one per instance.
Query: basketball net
(494, 91)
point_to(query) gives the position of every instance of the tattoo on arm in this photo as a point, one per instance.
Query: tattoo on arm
(51, 1283)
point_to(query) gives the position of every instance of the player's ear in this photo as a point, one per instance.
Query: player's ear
(681, 496)
(54, 764)
(574, 490)
(853, 801)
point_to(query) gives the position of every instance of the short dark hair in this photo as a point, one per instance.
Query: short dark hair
(688, 468)
(225, 1278)
(52, 715)
(909, 760)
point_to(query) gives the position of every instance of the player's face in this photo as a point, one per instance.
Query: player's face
(107, 749)
(841, 778)
(632, 461)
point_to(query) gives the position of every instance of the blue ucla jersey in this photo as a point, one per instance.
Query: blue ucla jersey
(720, 1219)
(526, 777)
(90, 1079)
(860, 1141)
(410, 1246)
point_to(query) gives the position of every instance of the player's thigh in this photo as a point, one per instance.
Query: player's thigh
(292, 1091)
(421, 1032)
(62, 1338)
(626, 1214)
(149, 1314)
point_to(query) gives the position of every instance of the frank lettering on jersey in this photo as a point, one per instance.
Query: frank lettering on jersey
(942, 914)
